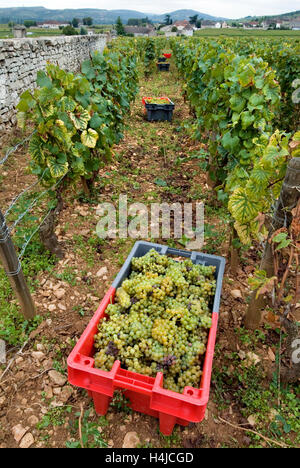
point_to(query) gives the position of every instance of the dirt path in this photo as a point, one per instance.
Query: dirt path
(154, 162)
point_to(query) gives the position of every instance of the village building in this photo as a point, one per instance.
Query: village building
(19, 31)
(51, 24)
(181, 25)
(179, 28)
(207, 24)
(295, 24)
(184, 28)
(212, 24)
(138, 31)
(167, 30)
(254, 24)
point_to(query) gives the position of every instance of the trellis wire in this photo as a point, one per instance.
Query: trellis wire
(22, 193)
(13, 270)
(33, 203)
(12, 150)
(32, 235)
(12, 261)
(24, 247)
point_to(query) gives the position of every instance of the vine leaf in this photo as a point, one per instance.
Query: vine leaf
(243, 232)
(247, 119)
(80, 119)
(242, 208)
(282, 240)
(262, 282)
(58, 166)
(89, 138)
(35, 150)
(42, 80)
(67, 104)
(230, 143)
(237, 103)
(256, 100)
(246, 78)
(21, 120)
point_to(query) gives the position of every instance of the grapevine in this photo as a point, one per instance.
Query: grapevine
(78, 117)
(239, 92)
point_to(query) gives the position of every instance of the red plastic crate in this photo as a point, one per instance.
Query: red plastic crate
(146, 394)
(167, 55)
(151, 97)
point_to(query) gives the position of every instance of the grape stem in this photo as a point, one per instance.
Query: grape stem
(270, 441)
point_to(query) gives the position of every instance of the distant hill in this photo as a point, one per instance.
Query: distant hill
(290, 15)
(20, 14)
(99, 16)
(180, 15)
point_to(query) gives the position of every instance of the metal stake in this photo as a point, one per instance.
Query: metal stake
(13, 269)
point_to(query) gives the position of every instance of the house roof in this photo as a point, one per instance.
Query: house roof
(188, 27)
(181, 23)
(51, 22)
(167, 28)
(208, 23)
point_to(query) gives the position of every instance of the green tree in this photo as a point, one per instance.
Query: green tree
(133, 22)
(193, 19)
(138, 21)
(88, 21)
(29, 23)
(69, 31)
(83, 31)
(119, 27)
(75, 22)
(199, 23)
(168, 20)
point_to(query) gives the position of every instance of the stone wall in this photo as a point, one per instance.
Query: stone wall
(20, 59)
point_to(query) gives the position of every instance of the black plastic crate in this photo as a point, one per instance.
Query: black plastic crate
(162, 59)
(160, 112)
(163, 66)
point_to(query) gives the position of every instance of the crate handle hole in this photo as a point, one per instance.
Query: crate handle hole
(87, 362)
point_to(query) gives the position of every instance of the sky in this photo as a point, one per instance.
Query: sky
(226, 8)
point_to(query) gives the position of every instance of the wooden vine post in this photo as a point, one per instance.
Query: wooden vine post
(289, 196)
(14, 271)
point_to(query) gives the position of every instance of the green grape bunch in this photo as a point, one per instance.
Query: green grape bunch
(160, 320)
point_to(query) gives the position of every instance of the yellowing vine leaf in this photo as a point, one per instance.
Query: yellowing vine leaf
(21, 119)
(80, 119)
(89, 138)
(58, 168)
(241, 207)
